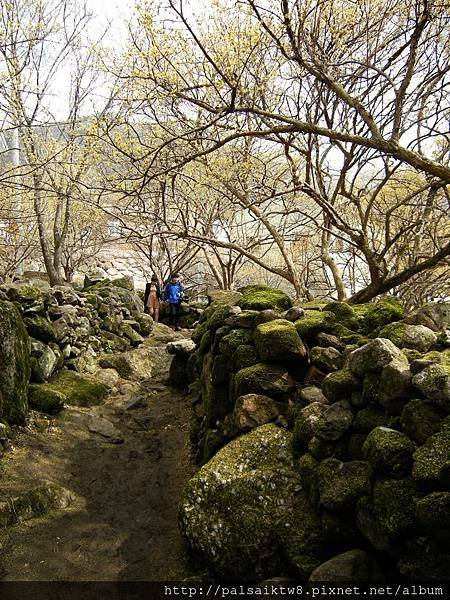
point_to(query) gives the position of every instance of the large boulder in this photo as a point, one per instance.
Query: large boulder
(327, 359)
(435, 316)
(15, 364)
(342, 483)
(404, 335)
(261, 297)
(314, 322)
(45, 398)
(77, 389)
(434, 383)
(40, 328)
(432, 460)
(340, 385)
(421, 419)
(44, 361)
(335, 421)
(374, 356)
(278, 341)
(241, 508)
(389, 452)
(270, 380)
(379, 313)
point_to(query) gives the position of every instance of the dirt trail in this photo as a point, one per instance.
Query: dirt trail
(123, 523)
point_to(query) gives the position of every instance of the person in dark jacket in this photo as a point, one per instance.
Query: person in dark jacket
(174, 293)
(153, 297)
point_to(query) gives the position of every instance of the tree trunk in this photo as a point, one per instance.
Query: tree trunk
(332, 265)
(55, 276)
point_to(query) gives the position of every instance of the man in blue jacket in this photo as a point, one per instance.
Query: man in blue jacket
(174, 293)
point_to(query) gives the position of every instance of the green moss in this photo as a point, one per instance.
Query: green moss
(220, 371)
(307, 468)
(389, 451)
(345, 314)
(199, 332)
(421, 419)
(371, 388)
(244, 356)
(347, 336)
(125, 283)
(372, 416)
(206, 341)
(339, 384)
(15, 365)
(79, 390)
(326, 359)
(441, 358)
(40, 328)
(278, 341)
(261, 297)
(237, 337)
(313, 305)
(381, 313)
(342, 483)
(432, 460)
(393, 332)
(270, 380)
(314, 322)
(433, 515)
(46, 399)
(394, 504)
(26, 294)
(217, 315)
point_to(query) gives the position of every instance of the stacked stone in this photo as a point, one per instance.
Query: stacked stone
(366, 394)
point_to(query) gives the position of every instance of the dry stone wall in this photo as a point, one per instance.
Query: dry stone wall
(362, 394)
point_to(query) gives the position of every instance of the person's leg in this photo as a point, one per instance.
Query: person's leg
(156, 317)
(177, 312)
(151, 311)
(173, 314)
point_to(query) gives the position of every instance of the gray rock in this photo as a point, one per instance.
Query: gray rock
(335, 421)
(312, 393)
(435, 316)
(293, 313)
(106, 429)
(327, 359)
(326, 340)
(181, 347)
(434, 383)
(374, 356)
(395, 384)
(253, 410)
(350, 567)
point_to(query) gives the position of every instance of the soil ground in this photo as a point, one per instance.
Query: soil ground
(123, 524)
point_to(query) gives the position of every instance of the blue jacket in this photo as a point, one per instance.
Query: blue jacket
(173, 292)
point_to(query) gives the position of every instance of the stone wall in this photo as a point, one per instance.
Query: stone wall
(45, 330)
(360, 396)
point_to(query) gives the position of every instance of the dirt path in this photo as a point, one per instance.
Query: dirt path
(123, 523)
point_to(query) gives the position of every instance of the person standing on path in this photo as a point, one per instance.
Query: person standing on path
(174, 293)
(154, 298)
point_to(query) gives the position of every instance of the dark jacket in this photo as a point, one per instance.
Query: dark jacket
(147, 292)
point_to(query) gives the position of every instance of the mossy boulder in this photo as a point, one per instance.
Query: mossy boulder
(433, 515)
(244, 356)
(370, 417)
(199, 332)
(228, 297)
(78, 390)
(261, 297)
(278, 341)
(381, 313)
(244, 319)
(26, 295)
(345, 313)
(414, 337)
(421, 419)
(305, 424)
(46, 399)
(206, 342)
(15, 365)
(432, 460)
(434, 383)
(340, 385)
(335, 421)
(126, 282)
(342, 483)
(216, 315)
(40, 328)
(346, 336)
(230, 342)
(308, 470)
(326, 359)
(314, 322)
(394, 504)
(44, 361)
(231, 511)
(389, 452)
(34, 503)
(270, 380)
